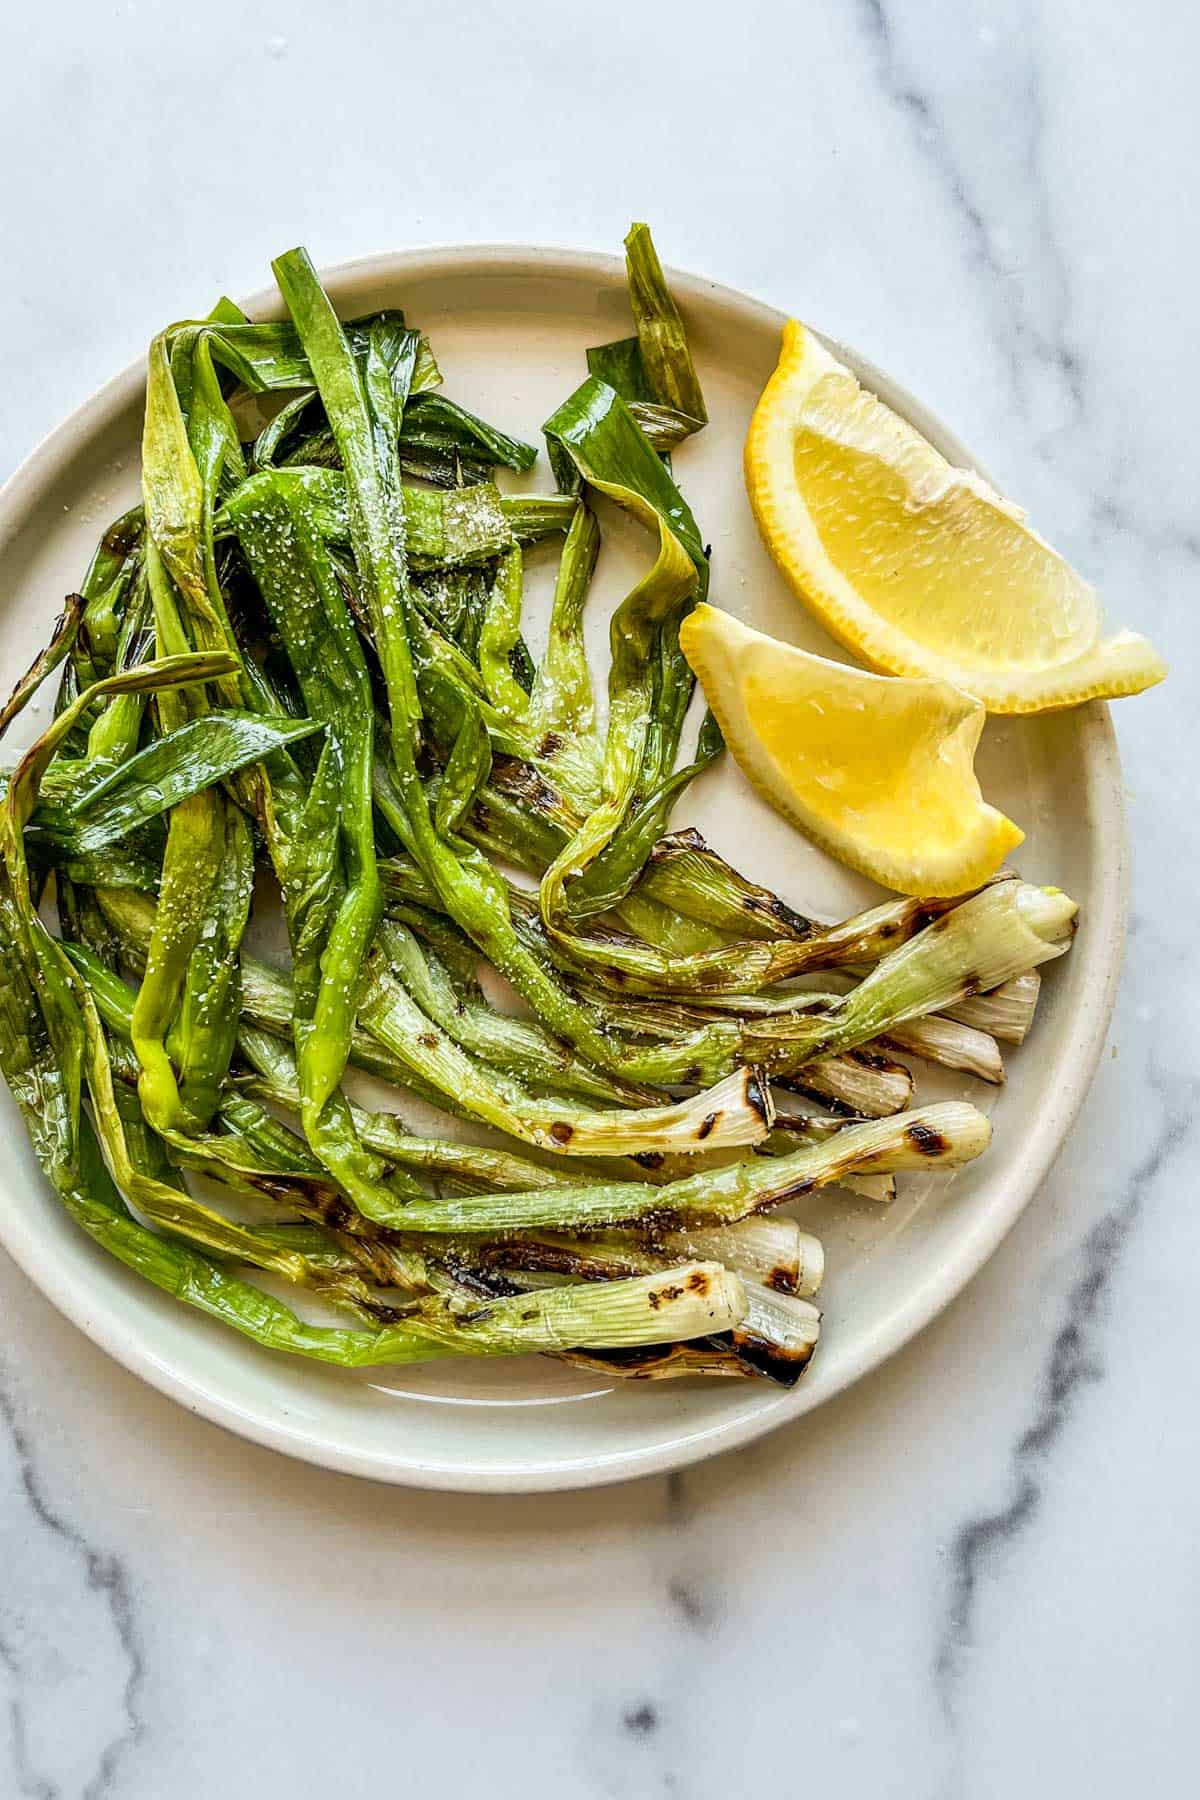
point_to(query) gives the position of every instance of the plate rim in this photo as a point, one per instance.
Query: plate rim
(1101, 951)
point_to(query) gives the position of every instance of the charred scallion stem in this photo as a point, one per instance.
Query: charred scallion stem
(469, 1165)
(1002, 931)
(734, 1112)
(1007, 1012)
(517, 1047)
(771, 1250)
(778, 1335)
(935, 1136)
(952, 1044)
(859, 1081)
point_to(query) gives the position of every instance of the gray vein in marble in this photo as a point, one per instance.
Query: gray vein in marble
(1073, 1361)
(690, 1596)
(677, 1499)
(692, 1604)
(30, 1783)
(104, 1574)
(1110, 515)
(1021, 336)
(651, 1717)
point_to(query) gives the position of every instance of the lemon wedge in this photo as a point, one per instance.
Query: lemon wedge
(877, 771)
(918, 567)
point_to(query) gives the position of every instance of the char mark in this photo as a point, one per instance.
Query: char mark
(756, 1095)
(925, 1140)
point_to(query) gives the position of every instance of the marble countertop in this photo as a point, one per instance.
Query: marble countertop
(978, 1572)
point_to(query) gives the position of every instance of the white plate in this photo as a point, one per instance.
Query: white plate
(510, 327)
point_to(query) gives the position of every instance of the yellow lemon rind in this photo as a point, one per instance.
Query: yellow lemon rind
(1110, 669)
(951, 869)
